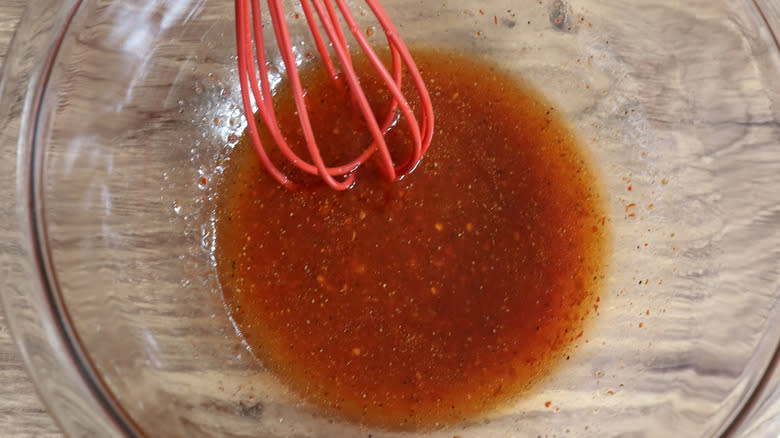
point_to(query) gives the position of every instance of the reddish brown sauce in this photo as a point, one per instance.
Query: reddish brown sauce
(433, 299)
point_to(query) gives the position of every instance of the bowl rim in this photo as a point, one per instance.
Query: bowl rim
(72, 358)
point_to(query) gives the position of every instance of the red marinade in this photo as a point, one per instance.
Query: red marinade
(425, 301)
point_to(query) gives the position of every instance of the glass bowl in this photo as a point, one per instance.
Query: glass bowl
(113, 112)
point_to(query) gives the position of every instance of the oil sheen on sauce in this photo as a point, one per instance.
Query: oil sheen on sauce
(431, 300)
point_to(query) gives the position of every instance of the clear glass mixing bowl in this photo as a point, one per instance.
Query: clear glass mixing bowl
(111, 112)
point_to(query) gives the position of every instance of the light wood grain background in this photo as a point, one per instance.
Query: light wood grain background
(21, 412)
(23, 415)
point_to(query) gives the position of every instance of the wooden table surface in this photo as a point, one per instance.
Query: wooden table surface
(21, 412)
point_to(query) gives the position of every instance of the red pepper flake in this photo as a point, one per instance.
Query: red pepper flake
(547, 404)
(495, 19)
(629, 188)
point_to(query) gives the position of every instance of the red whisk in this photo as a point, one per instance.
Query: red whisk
(249, 25)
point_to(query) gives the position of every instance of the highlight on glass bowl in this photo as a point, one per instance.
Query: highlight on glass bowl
(409, 219)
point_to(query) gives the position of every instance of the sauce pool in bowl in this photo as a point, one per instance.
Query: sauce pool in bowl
(431, 300)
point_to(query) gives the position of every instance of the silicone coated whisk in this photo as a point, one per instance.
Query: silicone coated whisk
(256, 86)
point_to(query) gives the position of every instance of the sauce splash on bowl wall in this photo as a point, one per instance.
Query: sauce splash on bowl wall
(430, 300)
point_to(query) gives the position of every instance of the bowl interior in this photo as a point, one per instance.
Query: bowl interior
(676, 102)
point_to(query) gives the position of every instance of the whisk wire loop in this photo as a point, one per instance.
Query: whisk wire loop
(249, 29)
